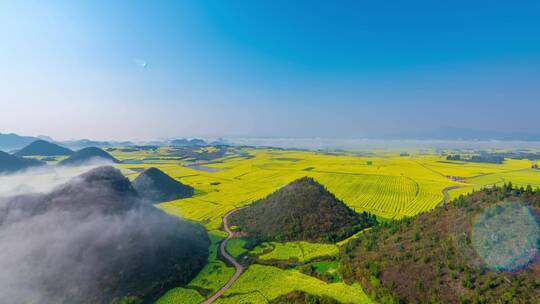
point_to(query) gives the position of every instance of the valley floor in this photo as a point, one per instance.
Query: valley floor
(380, 182)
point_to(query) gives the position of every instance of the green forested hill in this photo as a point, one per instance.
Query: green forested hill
(86, 155)
(43, 148)
(478, 249)
(91, 240)
(157, 187)
(301, 211)
(11, 163)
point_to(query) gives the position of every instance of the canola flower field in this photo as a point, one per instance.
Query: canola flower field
(384, 183)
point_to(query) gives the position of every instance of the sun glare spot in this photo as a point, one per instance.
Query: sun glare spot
(506, 236)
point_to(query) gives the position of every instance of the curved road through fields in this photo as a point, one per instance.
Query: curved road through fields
(446, 198)
(239, 268)
(222, 248)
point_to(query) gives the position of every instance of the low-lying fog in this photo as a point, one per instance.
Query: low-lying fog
(67, 238)
(41, 179)
(368, 144)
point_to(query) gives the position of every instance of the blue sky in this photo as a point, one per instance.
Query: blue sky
(147, 69)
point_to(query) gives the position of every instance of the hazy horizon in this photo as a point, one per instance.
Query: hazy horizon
(131, 69)
(318, 143)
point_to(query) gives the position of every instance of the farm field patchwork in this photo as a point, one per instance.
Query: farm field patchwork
(300, 251)
(235, 247)
(520, 178)
(383, 183)
(216, 273)
(272, 282)
(390, 187)
(181, 295)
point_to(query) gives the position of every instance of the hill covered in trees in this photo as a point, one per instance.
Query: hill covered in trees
(302, 210)
(482, 248)
(86, 155)
(11, 163)
(43, 148)
(482, 158)
(92, 240)
(157, 187)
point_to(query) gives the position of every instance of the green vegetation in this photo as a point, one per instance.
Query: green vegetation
(181, 295)
(254, 297)
(301, 211)
(235, 247)
(10, 163)
(324, 270)
(299, 297)
(459, 253)
(215, 273)
(272, 282)
(484, 158)
(297, 251)
(43, 148)
(391, 187)
(124, 251)
(157, 187)
(88, 154)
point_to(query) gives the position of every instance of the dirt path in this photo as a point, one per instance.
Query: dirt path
(222, 248)
(446, 198)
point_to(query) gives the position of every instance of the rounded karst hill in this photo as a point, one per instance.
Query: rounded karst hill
(87, 155)
(92, 240)
(156, 186)
(301, 211)
(115, 191)
(43, 148)
(11, 163)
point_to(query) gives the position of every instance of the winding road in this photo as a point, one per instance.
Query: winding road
(239, 268)
(222, 248)
(446, 198)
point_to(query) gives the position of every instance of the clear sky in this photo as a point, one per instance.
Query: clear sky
(150, 69)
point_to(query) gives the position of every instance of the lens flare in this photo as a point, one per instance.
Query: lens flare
(506, 236)
(141, 62)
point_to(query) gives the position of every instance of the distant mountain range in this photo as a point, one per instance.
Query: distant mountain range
(464, 134)
(187, 142)
(85, 143)
(11, 141)
(43, 148)
(16, 162)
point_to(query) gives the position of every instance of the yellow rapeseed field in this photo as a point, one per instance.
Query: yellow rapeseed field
(380, 182)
